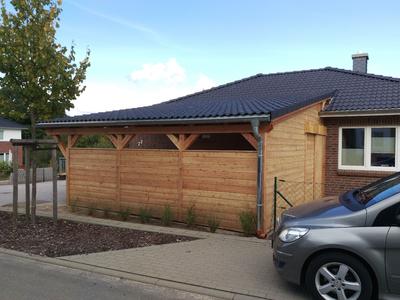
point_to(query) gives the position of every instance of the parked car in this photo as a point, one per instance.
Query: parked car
(345, 247)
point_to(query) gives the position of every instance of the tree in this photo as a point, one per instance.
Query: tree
(39, 77)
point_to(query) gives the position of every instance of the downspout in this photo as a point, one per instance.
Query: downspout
(255, 124)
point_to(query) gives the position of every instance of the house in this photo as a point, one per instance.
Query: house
(220, 149)
(9, 130)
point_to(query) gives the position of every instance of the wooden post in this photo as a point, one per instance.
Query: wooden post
(33, 208)
(15, 183)
(27, 182)
(55, 200)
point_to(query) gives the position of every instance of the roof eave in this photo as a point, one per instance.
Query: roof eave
(183, 121)
(359, 113)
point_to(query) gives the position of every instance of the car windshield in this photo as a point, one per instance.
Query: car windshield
(379, 190)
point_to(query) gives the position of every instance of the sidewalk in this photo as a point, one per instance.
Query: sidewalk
(229, 266)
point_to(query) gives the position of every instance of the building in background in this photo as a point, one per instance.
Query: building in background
(9, 130)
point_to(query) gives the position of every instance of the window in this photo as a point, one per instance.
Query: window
(353, 147)
(1, 135)
(383, 141)
(369, 148)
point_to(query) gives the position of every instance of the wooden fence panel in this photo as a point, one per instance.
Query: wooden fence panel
(217, 183)
(93, 178)
(220, 184)
(149, 178)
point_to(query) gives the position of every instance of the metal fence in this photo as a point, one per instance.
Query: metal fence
(291, 193)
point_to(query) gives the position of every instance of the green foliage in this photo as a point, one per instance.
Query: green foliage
(91, 210)
(94, 141)
(144, 215)
(124, 214)
(106, 212)
(213, 223)
(248, 222)
(40, 77)
(5, 170)
(191, 216)
(166, 218)
(73, 207)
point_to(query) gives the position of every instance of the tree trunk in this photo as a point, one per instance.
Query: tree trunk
(33, 126)
(33, 206)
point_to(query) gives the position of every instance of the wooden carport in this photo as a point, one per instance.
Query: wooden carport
(220, 183)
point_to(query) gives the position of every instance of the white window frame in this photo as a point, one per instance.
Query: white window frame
(367, 150)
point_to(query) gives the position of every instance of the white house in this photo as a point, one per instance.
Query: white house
(9, 130)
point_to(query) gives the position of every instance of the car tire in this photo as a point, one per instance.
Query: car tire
(336, 264)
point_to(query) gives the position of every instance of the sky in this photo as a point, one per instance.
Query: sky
(145, 52)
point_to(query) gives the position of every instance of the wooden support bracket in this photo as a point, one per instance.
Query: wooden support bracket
(61, 145)
(72, 139)
(251, 139)
(120, 140)
(182, 142)
(174, 140)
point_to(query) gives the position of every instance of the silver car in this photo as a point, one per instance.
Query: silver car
(345, 247)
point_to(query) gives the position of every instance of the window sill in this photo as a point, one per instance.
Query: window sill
(365, 173)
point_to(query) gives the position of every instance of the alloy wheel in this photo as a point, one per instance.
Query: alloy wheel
(337, 281)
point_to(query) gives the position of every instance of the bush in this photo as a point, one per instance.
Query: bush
(124, 214)
(166, 217)
(248, 222)
(213, 223)
(5, 169)
(144, 215)
(106, 212)
(91, 210)
(191, 216)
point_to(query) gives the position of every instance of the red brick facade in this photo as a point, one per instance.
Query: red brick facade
(5, 148)
(338, 181)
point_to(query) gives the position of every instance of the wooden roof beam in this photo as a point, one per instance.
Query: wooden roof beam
(251, 139)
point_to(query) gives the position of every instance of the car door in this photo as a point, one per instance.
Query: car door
(393, 255)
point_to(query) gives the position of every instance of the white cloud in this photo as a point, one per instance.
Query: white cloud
(153, 83)
(204, 83)
(170, 71)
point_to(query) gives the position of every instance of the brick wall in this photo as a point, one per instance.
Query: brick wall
(339, 181)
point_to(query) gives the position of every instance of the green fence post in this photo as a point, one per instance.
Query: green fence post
(275, 198)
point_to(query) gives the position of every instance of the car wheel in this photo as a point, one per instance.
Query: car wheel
(338, 276)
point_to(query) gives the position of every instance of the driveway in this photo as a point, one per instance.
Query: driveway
(44, 193)
(237, 265)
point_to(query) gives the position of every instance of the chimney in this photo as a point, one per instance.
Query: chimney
(360, 62)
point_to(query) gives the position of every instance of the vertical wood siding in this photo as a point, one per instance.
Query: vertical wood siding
(296, 156)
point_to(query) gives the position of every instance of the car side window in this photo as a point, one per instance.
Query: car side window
(387, 217)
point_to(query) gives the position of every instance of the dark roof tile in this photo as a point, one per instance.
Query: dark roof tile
(275, 94)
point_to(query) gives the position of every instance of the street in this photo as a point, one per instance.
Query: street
(44, 193)
(27, 279)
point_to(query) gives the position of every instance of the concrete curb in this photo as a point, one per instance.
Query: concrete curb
(198, 289)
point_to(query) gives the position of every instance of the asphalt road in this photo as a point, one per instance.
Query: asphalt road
(22, 279)
(44, 193)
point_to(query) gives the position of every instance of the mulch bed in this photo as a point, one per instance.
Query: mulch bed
(71, 238)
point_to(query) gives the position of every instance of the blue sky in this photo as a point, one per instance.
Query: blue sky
(143, 52)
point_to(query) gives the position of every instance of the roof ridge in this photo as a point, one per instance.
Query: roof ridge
(382, 77)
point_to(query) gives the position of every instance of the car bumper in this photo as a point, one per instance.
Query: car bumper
(288, 260)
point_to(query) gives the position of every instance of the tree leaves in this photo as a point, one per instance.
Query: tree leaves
(40, 77)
